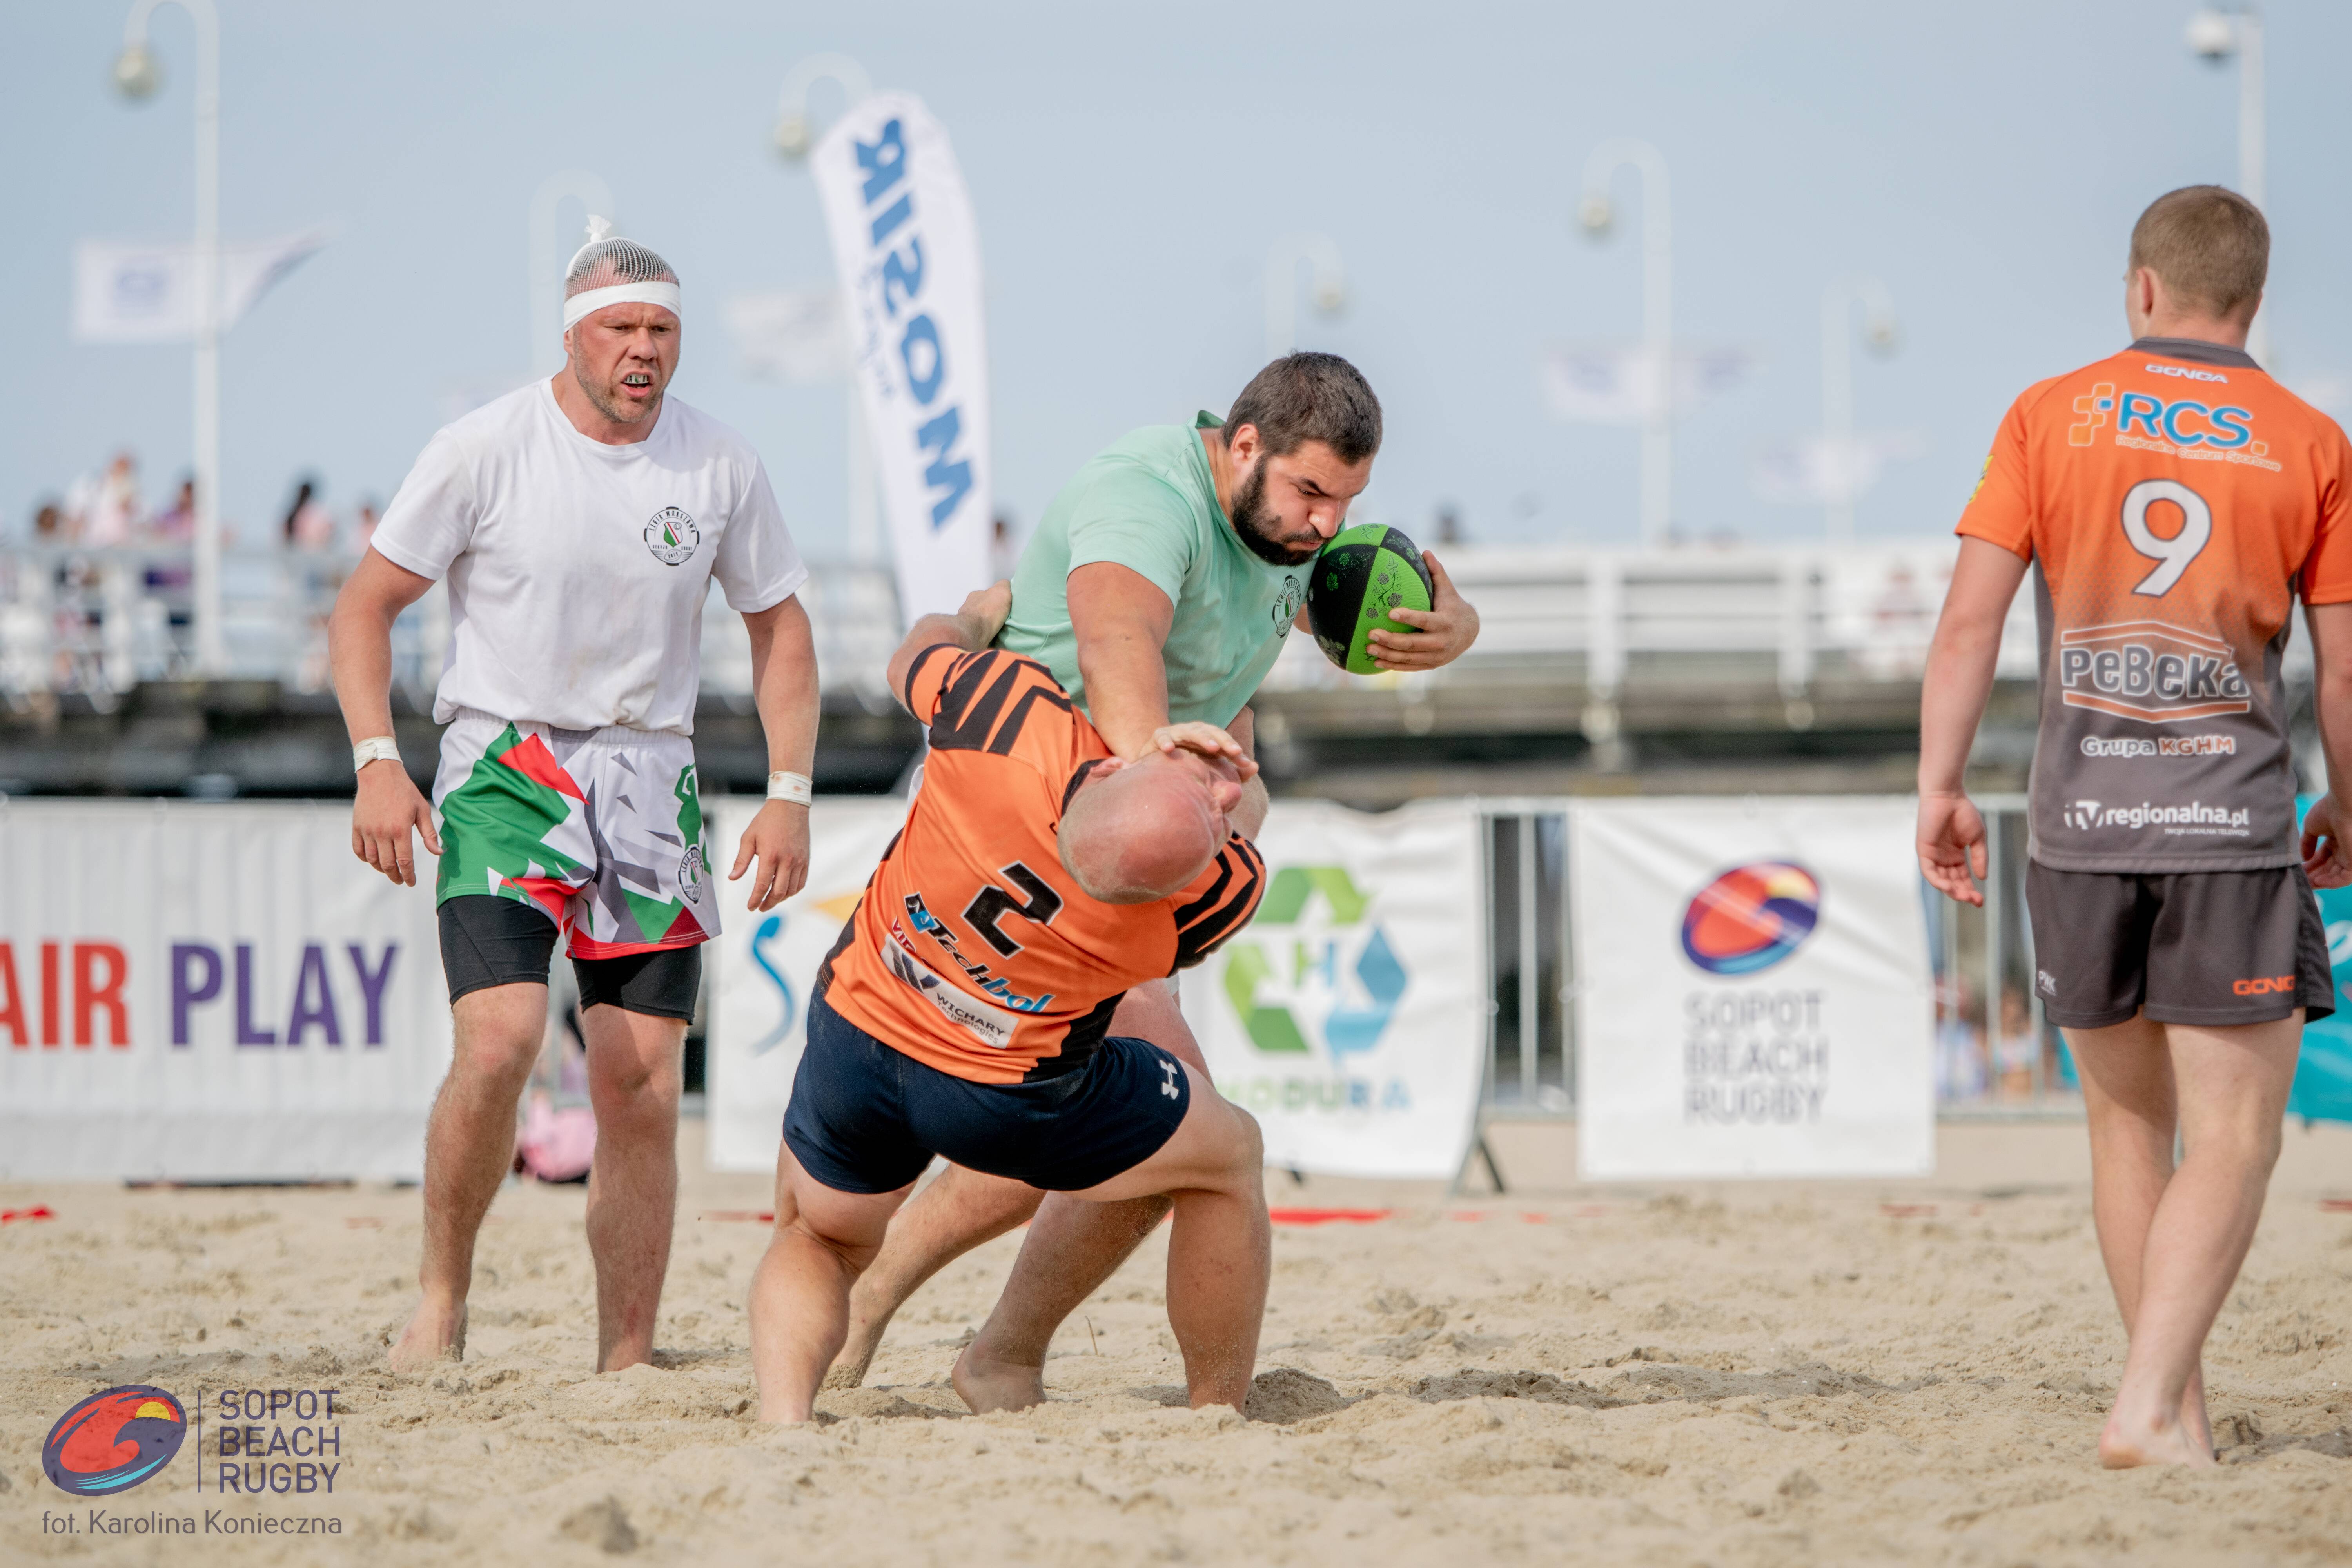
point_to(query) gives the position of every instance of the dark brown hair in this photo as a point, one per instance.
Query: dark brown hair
(1305, 397)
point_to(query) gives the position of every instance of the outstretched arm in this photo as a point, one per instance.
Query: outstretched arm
(1952, 700)
(971, 628)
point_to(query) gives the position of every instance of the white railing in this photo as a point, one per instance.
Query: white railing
(99, 622)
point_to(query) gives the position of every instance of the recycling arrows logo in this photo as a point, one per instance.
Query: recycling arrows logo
(1269, 996)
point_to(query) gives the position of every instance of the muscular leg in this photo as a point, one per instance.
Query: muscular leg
(468, 1149)
(1219, 1254)
(1087, 1244)
(800, 1292)
(2233, 1085)
(2132, 1106)
(634, 1066)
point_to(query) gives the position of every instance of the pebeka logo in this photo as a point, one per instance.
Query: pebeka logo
(672, 536)
(1750, 917)
(112, 1441)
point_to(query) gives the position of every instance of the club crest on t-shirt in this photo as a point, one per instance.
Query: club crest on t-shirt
(672, 536)
(1285, 606)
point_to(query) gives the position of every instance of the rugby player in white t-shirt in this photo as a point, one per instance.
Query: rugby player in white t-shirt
(579, 523)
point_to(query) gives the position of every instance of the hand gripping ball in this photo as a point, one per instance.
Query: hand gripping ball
(1363, 573)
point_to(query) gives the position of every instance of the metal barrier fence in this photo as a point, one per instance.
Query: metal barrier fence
(1997, 1055)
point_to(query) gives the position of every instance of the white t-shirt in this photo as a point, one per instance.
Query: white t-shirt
(578, 571)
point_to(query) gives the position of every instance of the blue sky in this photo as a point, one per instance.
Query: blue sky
(1129, 167)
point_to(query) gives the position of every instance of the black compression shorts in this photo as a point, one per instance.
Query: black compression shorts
(488, 940)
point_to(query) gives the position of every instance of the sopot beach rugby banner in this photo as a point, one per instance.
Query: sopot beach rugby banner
(1754, 996)
(908, 253)
(211, 993)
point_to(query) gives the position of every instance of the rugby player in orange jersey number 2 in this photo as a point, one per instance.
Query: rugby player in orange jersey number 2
(966, 1009)
(2173, 500)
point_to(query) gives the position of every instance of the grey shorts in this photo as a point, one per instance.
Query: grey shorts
(2213, 948)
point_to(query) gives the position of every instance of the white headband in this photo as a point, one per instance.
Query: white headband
(593, 299)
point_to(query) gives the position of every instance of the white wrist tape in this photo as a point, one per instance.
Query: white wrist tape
(794, 787)
(375, 749)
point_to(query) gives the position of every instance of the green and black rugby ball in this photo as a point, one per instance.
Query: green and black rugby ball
(1363, 573)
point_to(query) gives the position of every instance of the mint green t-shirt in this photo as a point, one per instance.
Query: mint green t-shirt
(1148, 502)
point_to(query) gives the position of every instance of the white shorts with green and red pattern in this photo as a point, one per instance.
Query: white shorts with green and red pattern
(602, 829)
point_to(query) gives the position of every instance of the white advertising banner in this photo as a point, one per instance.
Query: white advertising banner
(198, 993)
(127, 293)
(1349, 1016)
(908, 253)
(763, 967)
(1754, 995)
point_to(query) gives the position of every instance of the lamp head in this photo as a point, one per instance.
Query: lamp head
(1330, 294)
(792, 138)
(1596, 212)
(1882, 333)
(136, 73)
(2213, 34)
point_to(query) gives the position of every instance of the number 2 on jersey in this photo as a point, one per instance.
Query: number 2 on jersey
(2175, 554)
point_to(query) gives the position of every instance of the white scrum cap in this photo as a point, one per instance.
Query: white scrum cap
(609, 270)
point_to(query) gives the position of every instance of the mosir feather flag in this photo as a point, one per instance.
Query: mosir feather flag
(908, 256)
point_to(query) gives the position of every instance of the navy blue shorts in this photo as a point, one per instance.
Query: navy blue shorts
(865, 1117)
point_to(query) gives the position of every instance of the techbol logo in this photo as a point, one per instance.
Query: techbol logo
(1752, 916)
(110, 1442)
(671, 535)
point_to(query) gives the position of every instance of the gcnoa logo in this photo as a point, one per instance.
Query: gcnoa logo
(672, 536)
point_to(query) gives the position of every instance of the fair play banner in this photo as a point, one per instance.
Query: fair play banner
(201, 993)
(908, 253)
(1349, 1016)
(761, 967)
(1754, 996)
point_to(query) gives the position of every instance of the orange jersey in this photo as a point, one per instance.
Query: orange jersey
(973, 950)
(2173, 500)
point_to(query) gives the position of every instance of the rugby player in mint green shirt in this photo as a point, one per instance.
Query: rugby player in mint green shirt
(1159, 588)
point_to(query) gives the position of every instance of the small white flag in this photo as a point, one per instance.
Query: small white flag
(1814, 470)
(126, 294)
(796, 335)
(1625, 384)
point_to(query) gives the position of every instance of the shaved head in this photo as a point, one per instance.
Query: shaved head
(1141, 831)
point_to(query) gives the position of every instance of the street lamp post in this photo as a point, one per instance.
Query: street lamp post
(2217, 35)
(136, 75)
(795, 137)
(546, 255)
(1328, 283)
(1837, 383)
(1597, 213)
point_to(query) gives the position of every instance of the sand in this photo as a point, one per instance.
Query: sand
(1823, 1373)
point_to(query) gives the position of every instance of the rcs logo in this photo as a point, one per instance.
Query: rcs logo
(2093, 405)
(2183, 421)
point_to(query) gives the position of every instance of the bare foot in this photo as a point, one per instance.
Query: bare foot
(987, 1386)
(436, 1334)
(2126, 1443)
